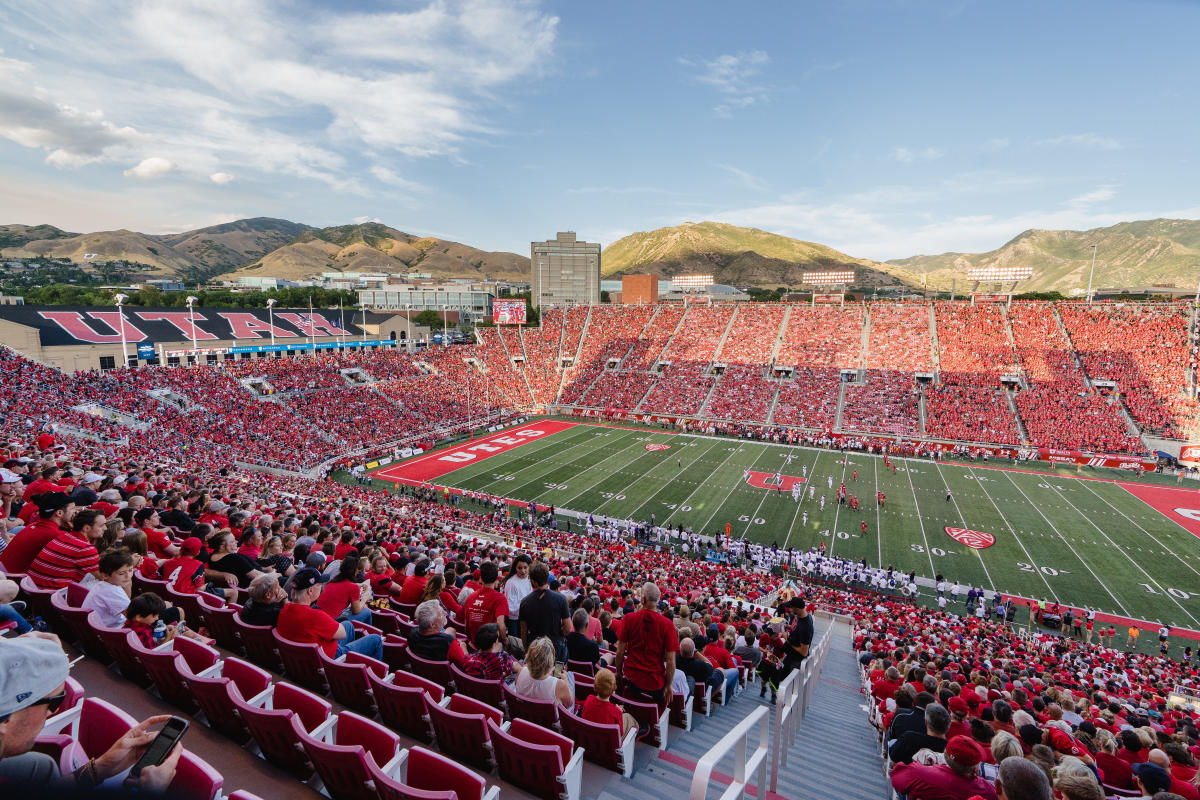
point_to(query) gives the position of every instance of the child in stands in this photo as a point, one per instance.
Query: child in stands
(600, 708)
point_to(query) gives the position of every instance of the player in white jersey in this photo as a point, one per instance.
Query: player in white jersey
(829, 479)
(812, 492)
(804, 470)
(804, 518)
(822, 502)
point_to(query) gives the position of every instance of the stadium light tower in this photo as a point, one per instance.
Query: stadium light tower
(191, 304)
(271, 319)
(445, 323)
(120, 301)
(1092, 271)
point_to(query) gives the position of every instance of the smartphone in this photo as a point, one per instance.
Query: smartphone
(162, 745)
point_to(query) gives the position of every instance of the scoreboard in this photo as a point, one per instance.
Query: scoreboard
(508, 312)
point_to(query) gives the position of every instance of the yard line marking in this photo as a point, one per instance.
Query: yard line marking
(878, 524)
(1131, 561)
(1086, 566)
(838, 510)
(543, 445)
(920, 521)
(812, 471)
(732, 451)
(602, 462)
(954, 500)
(735, 486)
(670, 482)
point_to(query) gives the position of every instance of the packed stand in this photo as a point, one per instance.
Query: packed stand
(823, 336)
(809, 399)
(701, 332)
(885, 403)
(743, 394)
(973, 344)
(971, 414)
(900, 338)
(1065, 415)
(495, 356)
(542, 369)
(682, 389)
(753, 335)
(619, 389)
(649, 346)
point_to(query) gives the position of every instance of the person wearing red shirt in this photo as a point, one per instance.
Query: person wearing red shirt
(45, 440)
(954, 780)
(599, 707)
(70, 556)
(646, 649)
(344, 546)
(487, 604)
(342, 597)
(300, 622)
(158, 538)
(414, 585)
(55, 512)
(185, 572)
(48, 482)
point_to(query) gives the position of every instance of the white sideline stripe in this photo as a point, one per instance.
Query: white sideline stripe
(837, 512)
(1103, 585)
(670, 482)
(954, 500)
(1171, 550)
(1013, 531)
(1121, 550)
(920, 520)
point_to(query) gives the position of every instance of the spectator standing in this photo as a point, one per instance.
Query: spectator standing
(487, 605)
(544, 612)
(646, 649)
(516, 588)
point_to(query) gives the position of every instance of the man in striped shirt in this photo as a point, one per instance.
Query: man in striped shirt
(71, 555)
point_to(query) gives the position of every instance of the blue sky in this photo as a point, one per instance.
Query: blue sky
(884, 129)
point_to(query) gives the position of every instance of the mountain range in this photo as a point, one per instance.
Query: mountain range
(1129, 254)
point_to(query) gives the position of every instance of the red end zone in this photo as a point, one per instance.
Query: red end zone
(434, 465)
(1181, 506)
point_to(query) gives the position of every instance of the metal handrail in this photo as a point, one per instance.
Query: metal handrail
(744, 764)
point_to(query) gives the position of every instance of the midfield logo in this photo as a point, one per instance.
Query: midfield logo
(655, 447)
(772, 480)
(976, 539)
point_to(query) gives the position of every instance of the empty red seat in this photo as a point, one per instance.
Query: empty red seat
(581, 667)
(259, 643)
(403, 700)
(302, 662)
(539, 712)
(436, 671)
(431, 776)
(42, 606)
(277, 717)
(395, 652)
(485, 691)
(602, 744)
(537, 759)
(215, 688)
(347, 679)
(120, 642)
(460, 727)
(222, 627)
(164, 665)
(76, 620)
(340, 749)
(194, 779)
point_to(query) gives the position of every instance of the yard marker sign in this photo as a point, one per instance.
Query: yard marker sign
(976, 539)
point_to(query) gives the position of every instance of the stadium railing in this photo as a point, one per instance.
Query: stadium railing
(745, 763)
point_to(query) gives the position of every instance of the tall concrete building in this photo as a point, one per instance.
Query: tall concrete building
(565, 271)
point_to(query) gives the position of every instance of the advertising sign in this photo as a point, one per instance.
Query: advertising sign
(508, 312)
(146, 351)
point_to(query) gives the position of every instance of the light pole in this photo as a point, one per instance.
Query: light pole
(271, 320)
(1092, 271)
(120, 301)
(445, 322)
(191, 304)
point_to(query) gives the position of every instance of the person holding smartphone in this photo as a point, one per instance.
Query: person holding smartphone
(33, 674)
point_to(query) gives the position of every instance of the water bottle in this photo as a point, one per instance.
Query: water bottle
(160, 631)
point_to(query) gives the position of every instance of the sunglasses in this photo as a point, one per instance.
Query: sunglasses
(52, 702)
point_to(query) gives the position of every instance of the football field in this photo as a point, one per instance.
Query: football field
(1041, 534)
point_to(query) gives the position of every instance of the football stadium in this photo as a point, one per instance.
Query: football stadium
(632, 550)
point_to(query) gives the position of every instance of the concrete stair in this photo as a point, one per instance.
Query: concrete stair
(783, 326)
(865, 347)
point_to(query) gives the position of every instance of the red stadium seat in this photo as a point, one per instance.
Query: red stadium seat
(403, 702)
(538, 760)
(539, 712)
(121, 644)
(277, 718)
(601, 744)
(214, 690)
(485, 691)
(348, 683)
(340, 748)
(260, 644)
(302, 663)
(431, 776)
(460, 727)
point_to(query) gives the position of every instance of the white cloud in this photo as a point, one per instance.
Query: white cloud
(906, 156)
(745, 178)
(387, 176)
(262, 86)
(150, 168)
(364, 219)
(732, 76)
(993, 145)
(221, 178)
(1086, 141)
(1098, 195)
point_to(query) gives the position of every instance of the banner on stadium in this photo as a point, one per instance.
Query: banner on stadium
(278, 348)
(1189, 455)
(981, 297)
(828, 297)
(508, 312)
(1092, 460)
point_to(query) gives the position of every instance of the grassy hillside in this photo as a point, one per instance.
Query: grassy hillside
(733, 255)
(1147, 252)
(221, 248)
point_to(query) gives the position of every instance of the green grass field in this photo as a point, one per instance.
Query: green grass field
(1080, 542)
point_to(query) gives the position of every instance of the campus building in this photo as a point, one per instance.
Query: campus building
(565, 271)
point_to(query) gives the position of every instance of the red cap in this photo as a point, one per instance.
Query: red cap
(959, 706)
(191, 546)
(963, 750)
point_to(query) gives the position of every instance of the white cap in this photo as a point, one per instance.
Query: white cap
(8, 476)
(92, 477)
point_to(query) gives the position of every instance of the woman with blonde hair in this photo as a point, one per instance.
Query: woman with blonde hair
(1005, 745)
(536, 680)
(1074, 781)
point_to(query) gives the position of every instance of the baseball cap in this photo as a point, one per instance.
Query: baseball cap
(964, 751)
(49, 502)
(315, 559)
(958, 706)
(91, 477)
(305, 579)
(1152, 776)
(8, 476)
(190, 546)
(30, 668)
